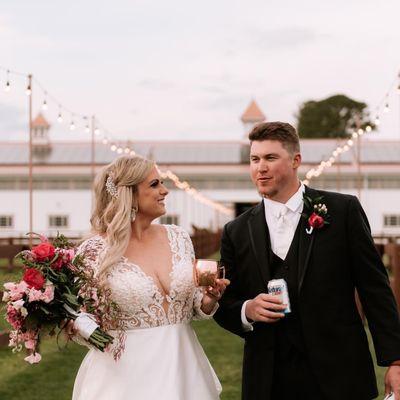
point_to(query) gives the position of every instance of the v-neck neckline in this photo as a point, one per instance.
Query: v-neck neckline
(165, 295)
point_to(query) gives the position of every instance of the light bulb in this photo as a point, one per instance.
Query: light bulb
(87, 129)
(368, 128)
(7, 87)
(72, 126)
(377, 121)
(132, 153)
(59, 118)
(386, 108)
(28, 90)
(105, 141)
(113, 147)
(119, 151)
(44, 105)
(97, 131)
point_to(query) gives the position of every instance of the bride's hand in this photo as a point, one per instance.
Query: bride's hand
(212, 294)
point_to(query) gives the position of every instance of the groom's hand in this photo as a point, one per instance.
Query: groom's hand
(392, 381)
(265, 308)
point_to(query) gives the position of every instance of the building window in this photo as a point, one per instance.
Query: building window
(6, 221)
(392, 220)
(58, 221)
(169, 219)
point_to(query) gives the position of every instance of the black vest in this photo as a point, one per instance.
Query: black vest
(289, 331)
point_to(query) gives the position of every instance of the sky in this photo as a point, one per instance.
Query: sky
(185, 70)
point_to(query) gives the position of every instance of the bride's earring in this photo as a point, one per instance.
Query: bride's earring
(134, 211)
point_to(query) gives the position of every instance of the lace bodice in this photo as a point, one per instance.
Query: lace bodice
(138, 296)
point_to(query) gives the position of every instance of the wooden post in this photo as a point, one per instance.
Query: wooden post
(30, 179)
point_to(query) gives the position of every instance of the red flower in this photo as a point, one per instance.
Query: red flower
(34, 278)
(58, 263)
(44, 251)
(316, 221)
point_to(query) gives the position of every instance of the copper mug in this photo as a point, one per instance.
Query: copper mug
(206, 272)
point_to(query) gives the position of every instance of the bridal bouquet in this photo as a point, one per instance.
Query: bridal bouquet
(56, 288)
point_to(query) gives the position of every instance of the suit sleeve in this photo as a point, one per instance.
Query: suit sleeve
(230, 305)
(373, 287)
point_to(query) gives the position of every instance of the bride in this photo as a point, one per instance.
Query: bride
(148, 268)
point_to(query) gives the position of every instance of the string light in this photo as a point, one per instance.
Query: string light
(72, 124)
(128, 150)
(8, 86)
(59, 117)
(28, 90)
(387, 108)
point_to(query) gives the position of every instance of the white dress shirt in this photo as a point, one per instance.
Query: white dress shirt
(282, 220)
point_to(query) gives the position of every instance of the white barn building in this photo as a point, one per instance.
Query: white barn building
(62, 177)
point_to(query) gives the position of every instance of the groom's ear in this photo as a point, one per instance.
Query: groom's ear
(296, 160)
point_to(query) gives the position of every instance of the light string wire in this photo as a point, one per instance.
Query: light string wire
(382, 106)
(108, 138)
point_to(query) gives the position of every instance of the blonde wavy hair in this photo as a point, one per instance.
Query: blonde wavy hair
(112, 214)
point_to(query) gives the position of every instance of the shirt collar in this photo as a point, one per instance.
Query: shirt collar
(293, 204)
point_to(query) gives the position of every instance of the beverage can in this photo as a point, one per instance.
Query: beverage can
(278, 287)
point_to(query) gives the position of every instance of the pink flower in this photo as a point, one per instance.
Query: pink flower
(34, 295)
(6, 297)
(67, 255)
(30, 344)
(14, 317)
(18, 304)
(48, 294)
(16, 291)
(34, 358)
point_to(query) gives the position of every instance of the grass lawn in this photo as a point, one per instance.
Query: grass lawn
(53, 378)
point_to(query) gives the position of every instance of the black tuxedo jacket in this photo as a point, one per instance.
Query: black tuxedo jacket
(333, 261)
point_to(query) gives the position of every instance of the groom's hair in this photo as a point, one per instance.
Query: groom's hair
(280, 131)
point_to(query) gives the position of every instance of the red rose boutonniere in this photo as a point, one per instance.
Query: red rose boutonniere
(316, 215)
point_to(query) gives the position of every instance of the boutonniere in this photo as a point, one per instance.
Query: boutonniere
(316, 213)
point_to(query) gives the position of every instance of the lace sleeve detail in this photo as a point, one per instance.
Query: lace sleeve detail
(198, 314)
(91, 249)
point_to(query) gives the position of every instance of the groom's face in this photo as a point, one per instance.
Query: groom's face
(273, 169)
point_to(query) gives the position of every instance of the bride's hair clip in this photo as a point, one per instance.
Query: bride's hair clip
(111, 188)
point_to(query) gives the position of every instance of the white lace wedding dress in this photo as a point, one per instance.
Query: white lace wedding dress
(163, 359)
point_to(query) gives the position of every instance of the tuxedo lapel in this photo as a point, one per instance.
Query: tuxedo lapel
(260, 241)
(306, 242)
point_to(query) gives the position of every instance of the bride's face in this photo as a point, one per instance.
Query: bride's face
(151, 195)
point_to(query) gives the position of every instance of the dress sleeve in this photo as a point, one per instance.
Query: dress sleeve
(198, 314)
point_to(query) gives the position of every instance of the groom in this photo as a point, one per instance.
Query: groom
(319, 350)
